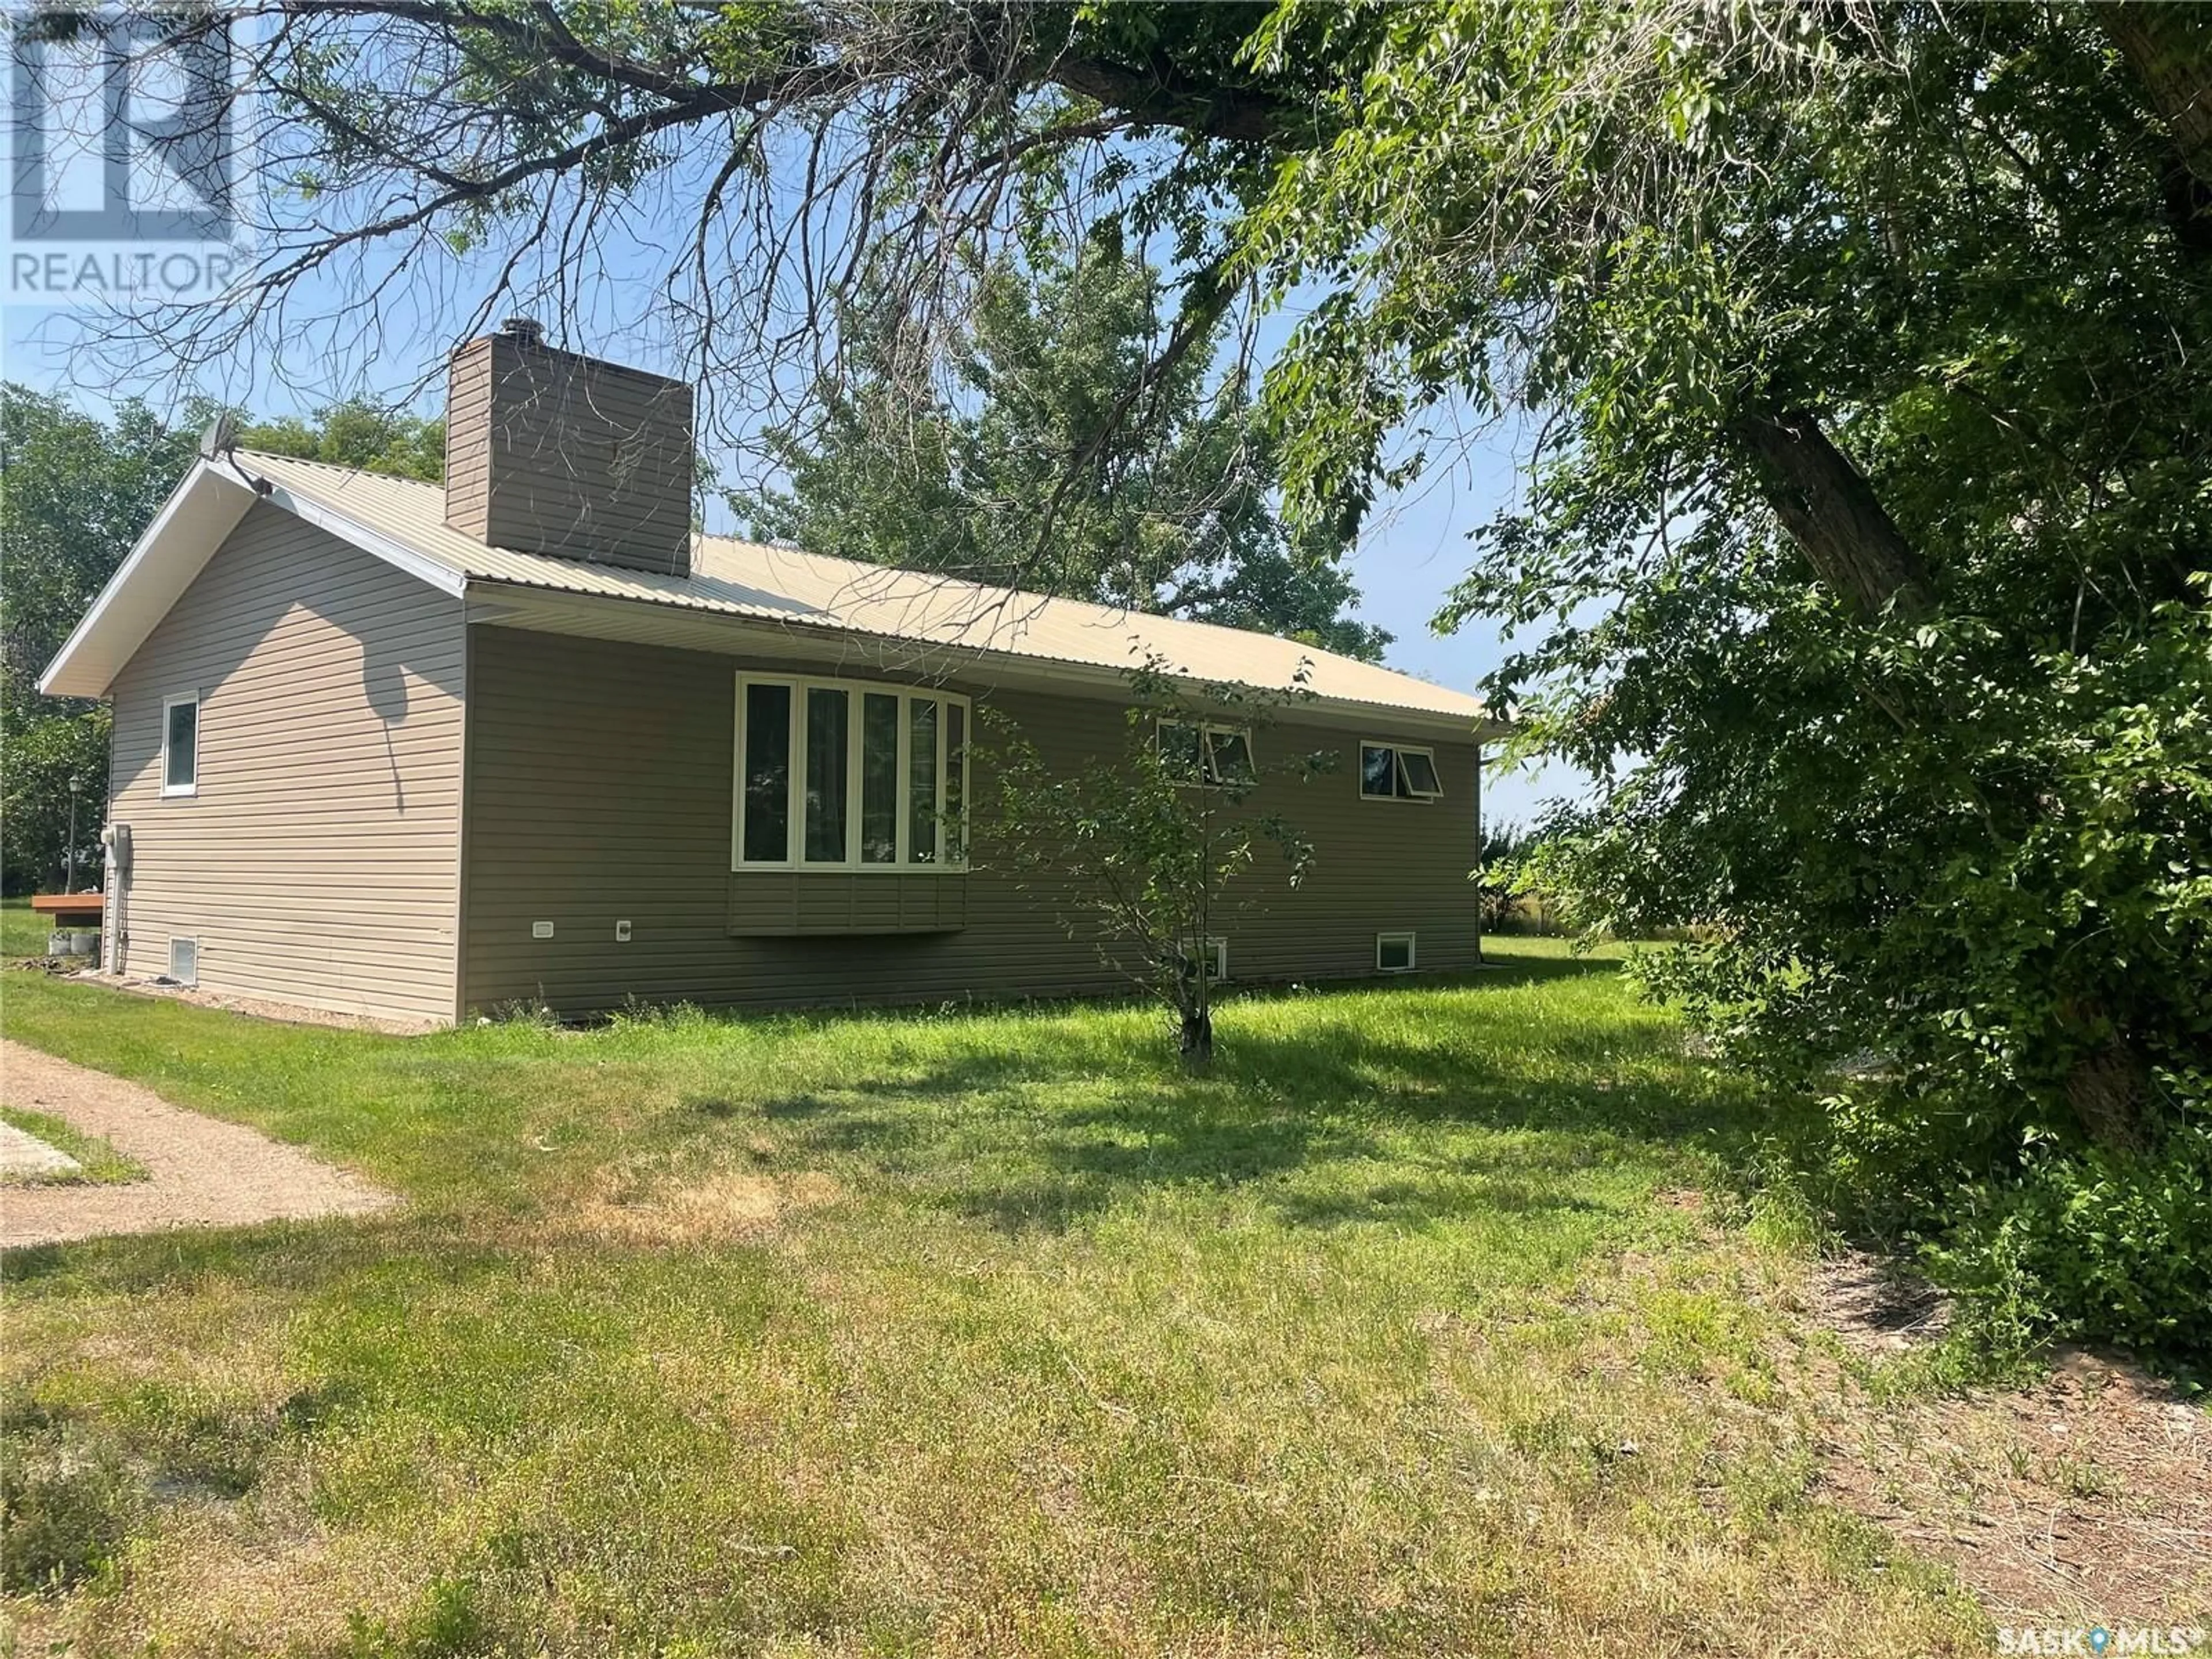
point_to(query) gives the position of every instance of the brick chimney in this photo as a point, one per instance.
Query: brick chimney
(548, 452)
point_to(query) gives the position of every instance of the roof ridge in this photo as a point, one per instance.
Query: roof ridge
(335, 466)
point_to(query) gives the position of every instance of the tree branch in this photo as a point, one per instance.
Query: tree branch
(1832, 514)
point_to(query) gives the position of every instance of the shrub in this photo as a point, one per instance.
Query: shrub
(2041, 1236)
(2097, 1243)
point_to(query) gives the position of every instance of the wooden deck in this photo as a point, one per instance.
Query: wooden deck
(82, 909)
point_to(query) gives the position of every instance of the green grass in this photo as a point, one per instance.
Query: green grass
(969, 1332)
(22, 934)
(99, 1164)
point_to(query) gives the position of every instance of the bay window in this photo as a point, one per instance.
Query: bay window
(845, 774)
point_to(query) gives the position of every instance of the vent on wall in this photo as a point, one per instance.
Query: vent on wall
(184, 960)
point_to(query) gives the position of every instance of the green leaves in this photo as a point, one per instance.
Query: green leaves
(1065, 457)
(357, 434)
(1960, 846)
(1151, 851)
(74, 494)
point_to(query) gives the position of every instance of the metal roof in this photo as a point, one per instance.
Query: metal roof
(404, 520)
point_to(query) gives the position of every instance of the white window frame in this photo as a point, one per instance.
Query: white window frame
(1209, 778)
(1413, 950)
(192, 939)
(795, 805)
(1215, 949)
(174, 791)
(1398, 771)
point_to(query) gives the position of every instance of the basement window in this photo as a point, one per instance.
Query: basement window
(849, 775)
(180, 745)
(184, 959)
(1391, 771)
(1394, 953)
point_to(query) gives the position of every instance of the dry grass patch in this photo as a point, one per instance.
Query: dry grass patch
(638, 1204)
(2085, 1499)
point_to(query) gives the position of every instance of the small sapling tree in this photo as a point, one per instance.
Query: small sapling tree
(1151, 850)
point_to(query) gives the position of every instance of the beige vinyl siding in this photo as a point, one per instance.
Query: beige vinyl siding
(317, 861)
(600, 790)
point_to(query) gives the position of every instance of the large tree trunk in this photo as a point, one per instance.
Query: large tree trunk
(2168, 50)
(1854, 546)
(1831, 513)
(2106, 1089)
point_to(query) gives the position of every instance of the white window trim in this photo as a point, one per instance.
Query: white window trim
(1424, 796)
(1413, 951)
(175, 939)
(1215, 948)
(796, 805)
(174, 791)
(1205, 730)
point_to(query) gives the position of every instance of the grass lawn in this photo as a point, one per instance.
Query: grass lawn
(1403, 1331)
(22, 934)
(98, 1161)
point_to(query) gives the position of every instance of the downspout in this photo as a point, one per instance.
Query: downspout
(1480, 960)
(466, 761)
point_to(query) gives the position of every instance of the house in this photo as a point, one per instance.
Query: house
(419, 752)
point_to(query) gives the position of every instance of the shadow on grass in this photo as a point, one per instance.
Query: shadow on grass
(302, 1257)
(1047, 1133)
(1419, 1100)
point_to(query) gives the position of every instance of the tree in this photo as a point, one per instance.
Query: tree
(1151, 851)
(1863, 555)
(1505, 848)
(1062, 461)
(357, 434)
(76, 492)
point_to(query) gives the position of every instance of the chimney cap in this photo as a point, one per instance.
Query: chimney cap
(528, 330)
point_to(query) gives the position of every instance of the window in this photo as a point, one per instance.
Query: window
(1213, 957)
(842, 774)
(1211, 755)
(184, 959)
(1389, 771)
(180, 746)
(1394, 953)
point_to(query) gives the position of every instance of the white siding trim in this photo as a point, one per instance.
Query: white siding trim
(127, 610)
(440, 575)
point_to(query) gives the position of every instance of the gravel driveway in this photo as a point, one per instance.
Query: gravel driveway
(202, 1172)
